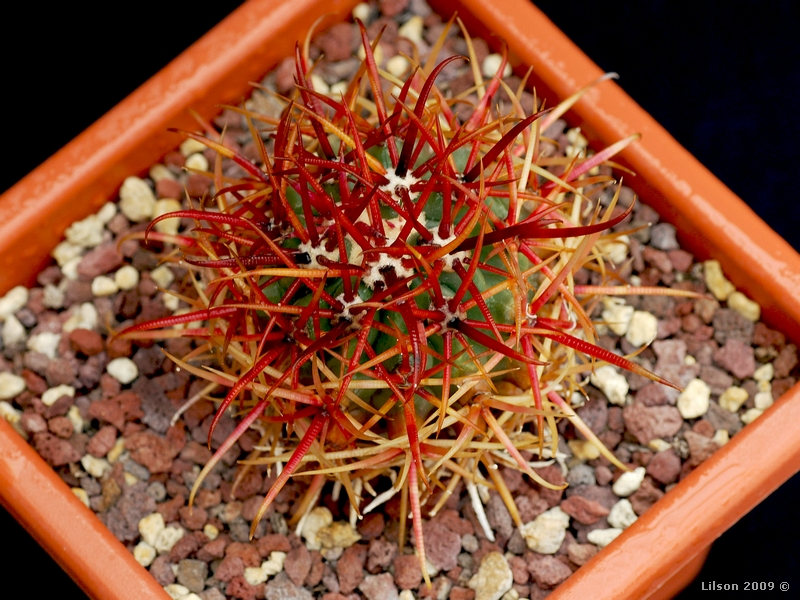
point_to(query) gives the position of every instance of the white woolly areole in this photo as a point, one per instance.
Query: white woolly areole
(452, 256)
(373, 274)
(316, 251)
(395, 181)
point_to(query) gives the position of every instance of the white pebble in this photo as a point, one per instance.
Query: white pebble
(611, 383)
(406, 595)
(65, 252)
(70, 268)
(491, 63)
(176, 591)
(318, 83)
(107, 212)
(130, 478)
(159, 172)
(397, 65)
(694, 399)
(628, 482)
(11, 385)
(45, 342)
(162, 276)
(744, 306)
(191, 146)
(123, 369)
(274, 565)
(583, 449)
(136, 200)
(102, 285)
(721, 437)
(622, 515)
(616, 250)
(53, 297)
(254, 575)
(15, 298)
(603, 537)
(81, 495)
(318, 518)
(126, 277)
(82, 317)
(211, 531)
(493, 579)
(171, 302)
(13, 331)
(50, 396)
(144, 554)
(617, 315)
(642, 329)
(167, 538)
(96, 467)
(75, 417)
(168, 205)
(751, 415)
(716, 282)
(361, 11)
(196, 162)
(117, 450)
(151, 526)
(764, 373)
(733, 398)
(338, 89)
(763, 400)
(412, 30)
(547, 531)
(12, 416)
(86, 233)
(659, 445)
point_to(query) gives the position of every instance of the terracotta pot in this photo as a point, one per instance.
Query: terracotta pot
(712, 222)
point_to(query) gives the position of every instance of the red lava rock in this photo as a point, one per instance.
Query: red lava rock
(664, 466)
(282, 588)
(161, 570)
(452, 520)
(547, 571)
(317, 569)
(239, 588)
(551, 474)
(213, 549)
(230, 567)
(334, 596)
(86, 341)
(381, 554)
(737, 358)
(729, 324)
(350, 568)
(339, 42)
(583, 510)
(99, 261)
(196, 453)
(34, 382)
(700, 447)
(786, 361)
(461, 593)
(643, 498)
(595, 414)
(169, 509)
(658, 258)
(193, 517)
(56, 451)
(498, 516)
(371, 526)
(61, 426)
(441, 545)
(704, 427)
(60, 372)
(519, 569)
(529, 508)
(390, 8)
(650, 422)
(247, 552)
(150, 450)
(378, 587)
(581, 553)
(652, 395)
(32, 422)
(183, 548)
(272, 542)
(249, 484)
(102, 441)
(284, 75)
(197, 185)
(680, 259)
(298, 564)
(169, 188)
(407, 572)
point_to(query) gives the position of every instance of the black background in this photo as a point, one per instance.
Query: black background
(724, 81)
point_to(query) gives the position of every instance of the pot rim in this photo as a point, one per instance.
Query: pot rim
(711, 221)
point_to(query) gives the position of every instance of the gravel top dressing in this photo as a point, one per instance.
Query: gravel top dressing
(127, 429)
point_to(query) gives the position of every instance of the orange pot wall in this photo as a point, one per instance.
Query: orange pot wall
(712, 222)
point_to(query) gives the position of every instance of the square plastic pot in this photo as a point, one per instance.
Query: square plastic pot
(711, 220)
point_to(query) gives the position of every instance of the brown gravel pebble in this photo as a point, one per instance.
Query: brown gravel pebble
(441, 545)
(584, 510)
(86, 341)
(581, 553)
(381, 554)
(298, 564)
(102, 441)
(664, 466)
(350, 567)
(737, 358)
(56, 451)
(547, 571)
(379, 587)
(649, 422)
(371, 526)
(407, 572)
(99, 261)
(150, 450)
(61, 426)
